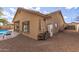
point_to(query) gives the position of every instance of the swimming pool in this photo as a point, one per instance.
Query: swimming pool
(4, 32)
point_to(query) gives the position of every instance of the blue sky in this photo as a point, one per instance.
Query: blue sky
(9, 13)
(69, 13)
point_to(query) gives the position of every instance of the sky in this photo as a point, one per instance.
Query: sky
(8, 13)
(70, 14)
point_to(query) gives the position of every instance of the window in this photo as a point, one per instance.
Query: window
(56, 25)
(26, 26)
(16, 26)
(71, 27)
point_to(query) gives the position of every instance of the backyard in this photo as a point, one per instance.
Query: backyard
(61, 42)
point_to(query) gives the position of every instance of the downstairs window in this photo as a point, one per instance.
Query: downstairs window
(26, 26)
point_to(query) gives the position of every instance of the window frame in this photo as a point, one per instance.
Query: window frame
(26, 23)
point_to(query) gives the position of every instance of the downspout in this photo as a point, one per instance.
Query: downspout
(39, 25)
(45, 24)
(42, 25)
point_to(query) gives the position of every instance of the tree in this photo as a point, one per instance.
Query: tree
(4, 21)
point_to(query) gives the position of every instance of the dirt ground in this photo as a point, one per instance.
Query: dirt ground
(61, 42)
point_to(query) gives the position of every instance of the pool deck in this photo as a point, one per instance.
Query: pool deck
(5, 37)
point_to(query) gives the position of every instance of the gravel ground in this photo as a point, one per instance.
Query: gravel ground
(61, 42)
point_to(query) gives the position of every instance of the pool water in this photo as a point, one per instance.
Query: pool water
(3, 32)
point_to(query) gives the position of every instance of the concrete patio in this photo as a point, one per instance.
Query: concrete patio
(61, 42)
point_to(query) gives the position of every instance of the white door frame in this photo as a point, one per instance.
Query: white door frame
(77, 27)
(50, 29)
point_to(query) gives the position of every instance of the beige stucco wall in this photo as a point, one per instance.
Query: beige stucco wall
(34, 23)
(9, 27)
(77, 27)
(56, 18)
(61, 22)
